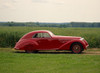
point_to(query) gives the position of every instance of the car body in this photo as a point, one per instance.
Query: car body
(46, 40)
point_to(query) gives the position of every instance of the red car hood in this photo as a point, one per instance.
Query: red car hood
(67, 37)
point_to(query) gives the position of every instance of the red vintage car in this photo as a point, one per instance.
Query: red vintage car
(46, 40)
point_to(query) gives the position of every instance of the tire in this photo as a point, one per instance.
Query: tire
(31, 51)
(35, 51)
(28, 51)
(76, 48)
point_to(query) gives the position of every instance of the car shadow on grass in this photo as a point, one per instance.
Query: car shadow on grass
(54, 52)
(88, 52)
(47, 52)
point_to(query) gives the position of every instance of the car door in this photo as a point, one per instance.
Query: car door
(56, 43)
(43, 40)
(44, 43)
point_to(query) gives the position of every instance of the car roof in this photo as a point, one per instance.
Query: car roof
(36, 31)
(39, 31)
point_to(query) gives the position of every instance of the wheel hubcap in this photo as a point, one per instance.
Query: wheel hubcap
(76, 48)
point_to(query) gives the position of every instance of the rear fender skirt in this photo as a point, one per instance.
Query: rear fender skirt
(31, 44)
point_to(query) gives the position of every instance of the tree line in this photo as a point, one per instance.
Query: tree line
(39, 24)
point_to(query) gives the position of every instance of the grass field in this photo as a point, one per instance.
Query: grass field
(10, 35)
(20, 62)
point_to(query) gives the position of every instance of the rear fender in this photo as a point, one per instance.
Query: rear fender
(26, 44)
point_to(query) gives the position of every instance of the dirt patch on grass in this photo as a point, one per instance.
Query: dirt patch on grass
(92, 51)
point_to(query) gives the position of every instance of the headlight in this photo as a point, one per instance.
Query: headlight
(82, 39)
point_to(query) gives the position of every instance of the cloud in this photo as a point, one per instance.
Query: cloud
(8, 4)
(56, 2)
(39, 1)
(14, 1)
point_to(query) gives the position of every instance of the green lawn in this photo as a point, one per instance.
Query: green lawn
(11, 62)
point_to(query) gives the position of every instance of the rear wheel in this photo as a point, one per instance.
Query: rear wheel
(76, 48)
(28, 51)
(31, 51)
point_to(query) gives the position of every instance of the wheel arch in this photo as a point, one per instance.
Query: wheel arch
(77, 43)
(69, 43)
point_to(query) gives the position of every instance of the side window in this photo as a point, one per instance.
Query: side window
(35, 35)
(46, 35)
(41, 35)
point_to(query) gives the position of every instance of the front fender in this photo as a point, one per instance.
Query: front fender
(68, 44)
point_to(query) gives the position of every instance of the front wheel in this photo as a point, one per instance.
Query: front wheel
(76, 48)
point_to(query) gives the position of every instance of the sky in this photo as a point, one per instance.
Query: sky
(50, 10)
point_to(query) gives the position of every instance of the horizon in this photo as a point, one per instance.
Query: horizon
(48, 22)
